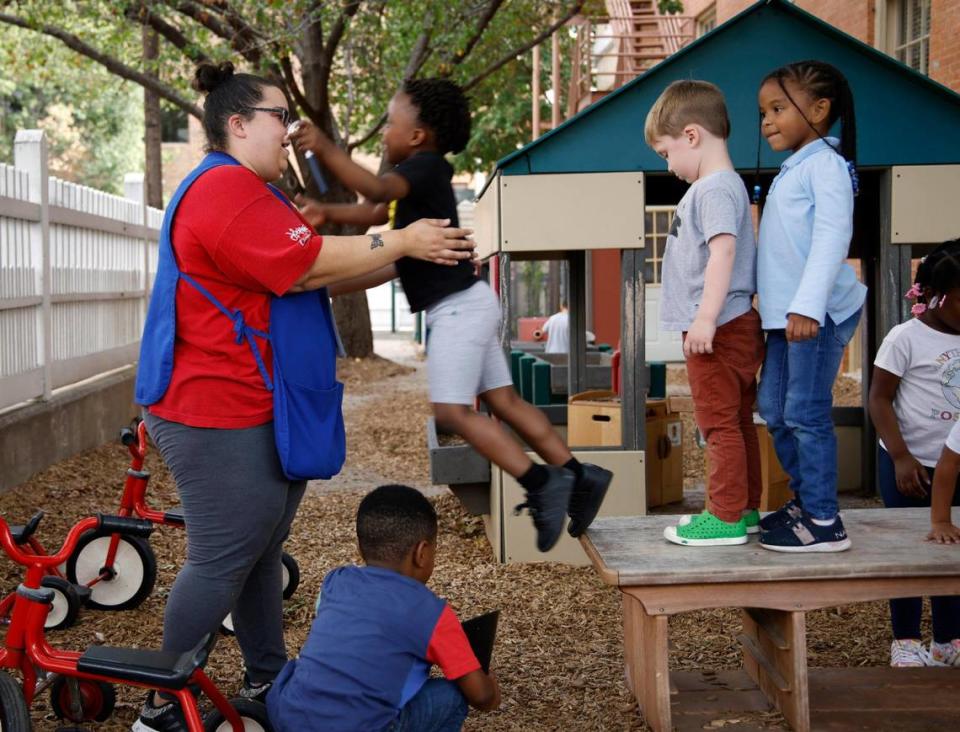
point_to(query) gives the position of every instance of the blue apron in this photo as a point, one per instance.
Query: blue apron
(307, 398)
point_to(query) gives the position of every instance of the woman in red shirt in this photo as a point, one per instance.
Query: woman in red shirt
(213, 423)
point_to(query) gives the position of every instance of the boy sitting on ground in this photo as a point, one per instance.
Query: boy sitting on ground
(366, 663)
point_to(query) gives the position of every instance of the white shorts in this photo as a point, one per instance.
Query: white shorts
(464, 357)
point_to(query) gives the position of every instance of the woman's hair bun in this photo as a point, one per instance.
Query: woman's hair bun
(209, 76)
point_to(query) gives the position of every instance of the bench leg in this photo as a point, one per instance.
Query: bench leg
(645, 653)
(775, 656)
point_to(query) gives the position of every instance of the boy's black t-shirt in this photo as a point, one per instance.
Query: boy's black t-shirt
(431, 197)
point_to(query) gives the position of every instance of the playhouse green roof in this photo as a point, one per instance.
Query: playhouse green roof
(903, 117)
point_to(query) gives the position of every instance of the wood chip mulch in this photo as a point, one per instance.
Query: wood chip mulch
(558, 654)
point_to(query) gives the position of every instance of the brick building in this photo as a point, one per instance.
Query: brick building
(921, 33)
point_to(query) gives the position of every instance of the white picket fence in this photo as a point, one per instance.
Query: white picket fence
(76, 266)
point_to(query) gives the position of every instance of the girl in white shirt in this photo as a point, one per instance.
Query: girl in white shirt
(914, 403)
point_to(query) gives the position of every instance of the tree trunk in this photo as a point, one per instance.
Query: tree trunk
(352, 311)
(152, 140)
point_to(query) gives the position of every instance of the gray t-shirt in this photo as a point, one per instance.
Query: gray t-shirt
(716, 204)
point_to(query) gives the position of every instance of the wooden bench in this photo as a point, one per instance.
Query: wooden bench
(889, 558)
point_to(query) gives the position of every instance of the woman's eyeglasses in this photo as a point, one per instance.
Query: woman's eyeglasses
(279, 112)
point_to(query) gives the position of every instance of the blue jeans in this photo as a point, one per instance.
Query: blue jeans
(905, 612)
(795, 397)
(438, 707)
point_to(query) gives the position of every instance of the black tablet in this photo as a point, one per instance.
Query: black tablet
(481, 632)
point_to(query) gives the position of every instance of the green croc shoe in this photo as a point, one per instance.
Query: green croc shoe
(752, 519)
(705, 529)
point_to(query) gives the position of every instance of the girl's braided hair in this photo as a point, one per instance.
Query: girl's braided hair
(939, 272)
(443, 107)
(821, 81)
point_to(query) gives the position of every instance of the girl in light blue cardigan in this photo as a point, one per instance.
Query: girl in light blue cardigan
(810, 298)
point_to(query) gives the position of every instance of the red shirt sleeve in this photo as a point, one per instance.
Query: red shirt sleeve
(254, 238)
(449, 647)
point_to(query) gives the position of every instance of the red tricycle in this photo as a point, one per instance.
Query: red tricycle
(99, 553)
(81, 684)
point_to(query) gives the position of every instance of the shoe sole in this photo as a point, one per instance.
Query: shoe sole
(670, 534)
(822, 547)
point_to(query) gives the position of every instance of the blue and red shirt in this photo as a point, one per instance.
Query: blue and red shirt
(375, 637)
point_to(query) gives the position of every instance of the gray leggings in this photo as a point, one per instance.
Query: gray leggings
(238, 507)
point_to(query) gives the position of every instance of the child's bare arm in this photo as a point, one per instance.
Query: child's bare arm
(716, 284)
(481, 690)
(359, 214)
(363, 282)
(379, 189)
(912, 477)
(942, 529)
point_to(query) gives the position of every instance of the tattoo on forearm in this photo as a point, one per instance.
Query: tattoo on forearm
(376, 240)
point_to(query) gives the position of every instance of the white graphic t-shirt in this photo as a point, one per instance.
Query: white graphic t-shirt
(927, 403)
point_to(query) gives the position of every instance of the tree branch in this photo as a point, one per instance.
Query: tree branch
(460, 56)
(295, 91)
(330, 49)
(111, 64)
(142, 14)
(201, 15)
(520, 50)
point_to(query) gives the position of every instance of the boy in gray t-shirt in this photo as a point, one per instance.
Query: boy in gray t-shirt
(709, 279)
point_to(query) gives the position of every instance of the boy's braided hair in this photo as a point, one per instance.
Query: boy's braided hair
(391, 520)
(444, 108)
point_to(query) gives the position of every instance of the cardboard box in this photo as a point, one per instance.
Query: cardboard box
(594, 420)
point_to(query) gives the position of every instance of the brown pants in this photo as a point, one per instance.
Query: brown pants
(724, 388)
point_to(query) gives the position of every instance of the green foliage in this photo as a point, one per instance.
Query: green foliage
(368, 66)
(670, 7)
(93, 120)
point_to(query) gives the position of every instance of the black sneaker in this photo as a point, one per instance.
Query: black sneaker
(166, 718)
(803, 535)
(786, 514)
(548, 505)
(255, 692)
(588, 494)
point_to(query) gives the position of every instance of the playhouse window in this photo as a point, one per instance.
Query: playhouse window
(657, 227)
(912, 44)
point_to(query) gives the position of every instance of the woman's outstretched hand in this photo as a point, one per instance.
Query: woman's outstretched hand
(434, 240)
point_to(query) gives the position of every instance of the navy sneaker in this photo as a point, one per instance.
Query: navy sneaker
(588, 495)
(787, 513)
(166, 718)
(255, 692)
(548, 506)
(803, 535)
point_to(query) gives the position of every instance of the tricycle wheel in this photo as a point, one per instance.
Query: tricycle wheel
(96, 700)
(14, 715)
(291, 575)
(252, 713)
(65, 606)
(129, 581)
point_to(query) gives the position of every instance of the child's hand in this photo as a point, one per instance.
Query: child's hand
(313, 211)
(944, 533)
(309, 137)
(801, 328)
(912, 478)
(699, 338)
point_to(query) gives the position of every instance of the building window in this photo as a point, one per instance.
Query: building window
(657, 227)
(707, 21)
(173, 124)
(912, 35)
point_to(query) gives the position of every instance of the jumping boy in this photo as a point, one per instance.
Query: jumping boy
(426, 120)
(366, 663)
(709, 278)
